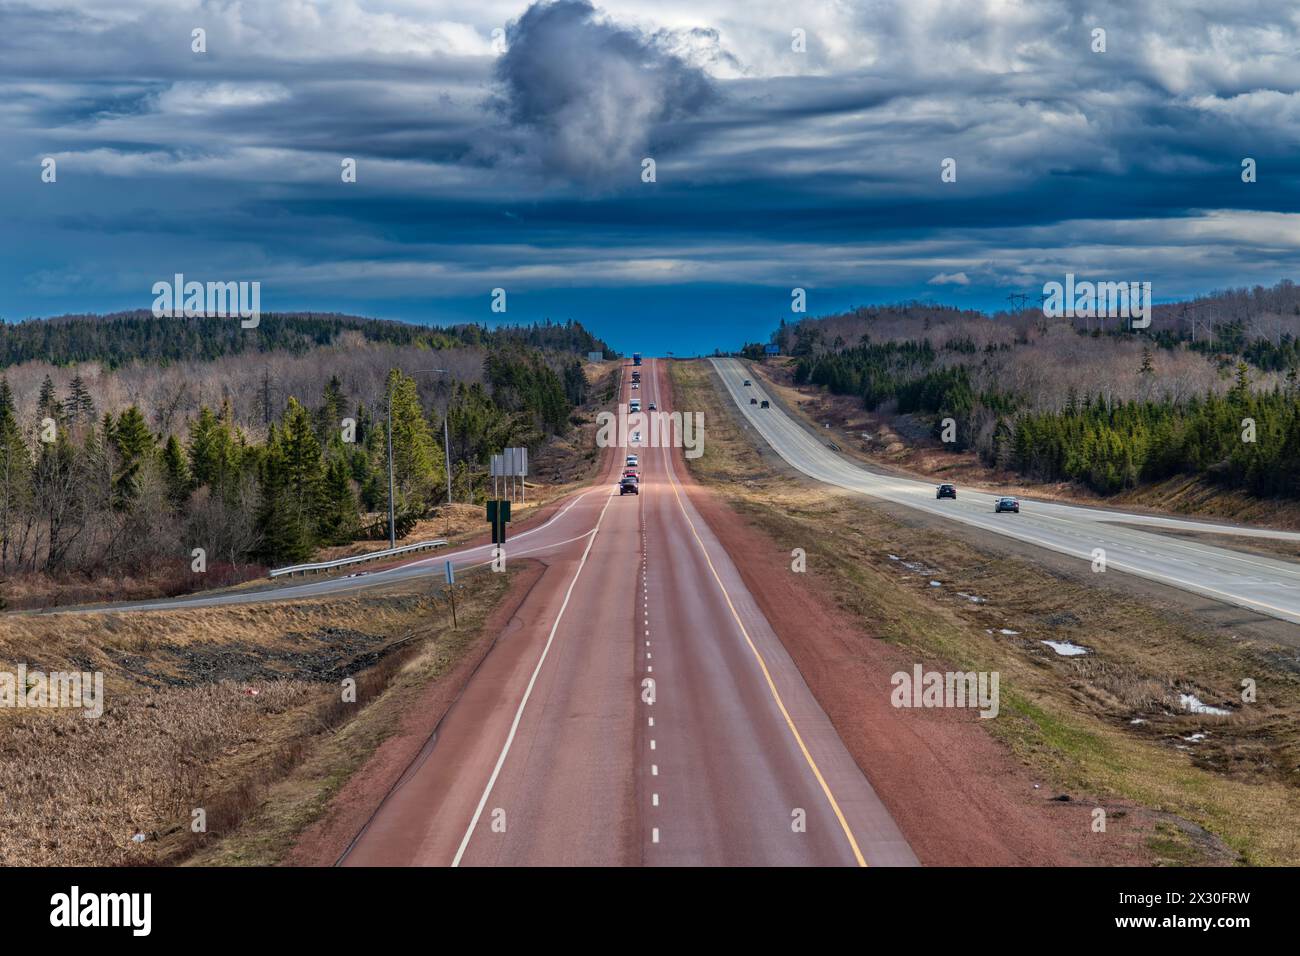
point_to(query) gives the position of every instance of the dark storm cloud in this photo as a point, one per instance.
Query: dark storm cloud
(592, 93)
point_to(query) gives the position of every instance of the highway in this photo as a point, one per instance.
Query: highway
(638, 710)
(1270, 586)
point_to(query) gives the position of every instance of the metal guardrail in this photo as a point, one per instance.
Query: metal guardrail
(343, 562)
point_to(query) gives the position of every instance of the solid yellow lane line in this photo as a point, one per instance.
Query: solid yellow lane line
(798, 739)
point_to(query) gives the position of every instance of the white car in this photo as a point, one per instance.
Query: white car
(636, 437)
(632, 461)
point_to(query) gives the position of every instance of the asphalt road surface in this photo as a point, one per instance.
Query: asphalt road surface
(638, 710)
(1270, 586)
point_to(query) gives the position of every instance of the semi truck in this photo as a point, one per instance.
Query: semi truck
(636, 358)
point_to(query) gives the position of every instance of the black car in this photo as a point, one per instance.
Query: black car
(763, 404)
(1007, 504)
(946, 491)
(753, 401)
(628, 486)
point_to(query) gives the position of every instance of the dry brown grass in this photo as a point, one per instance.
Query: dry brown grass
(1067, 718)
(296, 799)
(204, 708)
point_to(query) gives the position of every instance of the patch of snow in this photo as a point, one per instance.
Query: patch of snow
(1137, 720)
(1194, 738)
(974, 599)
(1195, 705)
(935, 584)
(1007, 631)
(1066, 649)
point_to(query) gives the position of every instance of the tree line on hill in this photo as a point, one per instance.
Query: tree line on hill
(114, 340)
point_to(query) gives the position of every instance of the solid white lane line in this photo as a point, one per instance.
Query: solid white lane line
(528, 691)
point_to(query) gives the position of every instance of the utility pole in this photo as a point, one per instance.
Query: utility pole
(446, 447)
(392, 524)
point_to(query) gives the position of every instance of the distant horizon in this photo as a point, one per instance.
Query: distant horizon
(647, 338)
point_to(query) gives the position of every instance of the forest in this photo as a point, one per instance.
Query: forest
(97, 474)
(114, 340)
(1217, 398)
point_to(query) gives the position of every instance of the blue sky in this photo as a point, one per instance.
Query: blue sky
(518, 165)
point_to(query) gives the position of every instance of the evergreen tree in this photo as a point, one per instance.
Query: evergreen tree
(339, 522)
(47, 404)
(133, 444)
(417, 459)
(303, 468)
(575, 383)
(284, 536)
(80, 406)
(214, 454)
(176, 471)
(1241, 386)
(329, 416)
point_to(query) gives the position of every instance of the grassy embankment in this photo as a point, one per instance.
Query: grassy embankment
(238, 711)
